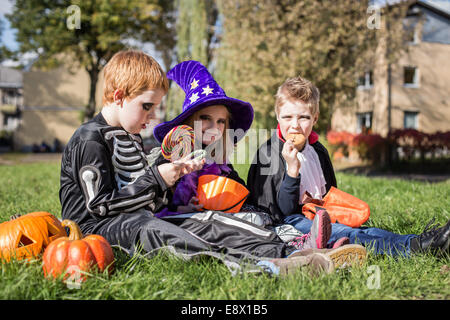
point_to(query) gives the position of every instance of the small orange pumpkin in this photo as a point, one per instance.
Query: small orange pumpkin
(28, 235)
(221, 193)
(75, 255)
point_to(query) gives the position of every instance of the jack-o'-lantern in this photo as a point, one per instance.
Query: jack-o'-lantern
(28, 235)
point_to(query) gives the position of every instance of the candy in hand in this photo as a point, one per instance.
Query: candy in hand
(299, 140)
(178, 143)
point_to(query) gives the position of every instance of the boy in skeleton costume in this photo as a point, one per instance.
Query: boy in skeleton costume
(108, 187)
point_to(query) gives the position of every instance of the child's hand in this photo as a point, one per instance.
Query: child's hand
(193, 206)
(171, 172)
(289, 154)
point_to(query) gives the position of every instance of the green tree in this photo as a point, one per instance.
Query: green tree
(195, 38)
(87, 33)
(265, 42)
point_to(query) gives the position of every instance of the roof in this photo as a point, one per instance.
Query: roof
(10, 78)
(434, 7)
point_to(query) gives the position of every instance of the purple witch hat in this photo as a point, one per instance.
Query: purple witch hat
(203, 91)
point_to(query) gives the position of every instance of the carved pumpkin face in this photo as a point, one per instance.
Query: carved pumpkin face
(27, 236)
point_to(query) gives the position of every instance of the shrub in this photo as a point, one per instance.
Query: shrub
(370, 147)
(340, 143)
(412, 142)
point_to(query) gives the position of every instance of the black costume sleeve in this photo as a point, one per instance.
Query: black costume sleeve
(288, 195)
(264, 180)
(97, 180)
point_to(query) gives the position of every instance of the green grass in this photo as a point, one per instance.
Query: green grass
(396, 205)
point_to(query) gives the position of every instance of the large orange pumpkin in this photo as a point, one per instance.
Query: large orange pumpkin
(73, 256)
(221, 193)
(28, 235)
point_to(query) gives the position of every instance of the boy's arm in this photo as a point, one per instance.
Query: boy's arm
(288, 195)
(92, 167)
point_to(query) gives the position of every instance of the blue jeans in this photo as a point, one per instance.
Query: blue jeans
(378, 240)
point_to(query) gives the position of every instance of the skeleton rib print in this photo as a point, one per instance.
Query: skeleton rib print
(129, 163)
(128, 158)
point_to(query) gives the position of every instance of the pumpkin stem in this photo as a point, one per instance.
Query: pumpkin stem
(74, 230)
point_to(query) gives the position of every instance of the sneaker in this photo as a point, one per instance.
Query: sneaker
(433, 239)
(319, 235)
(344, 256)
(315, 263)
(339, 243)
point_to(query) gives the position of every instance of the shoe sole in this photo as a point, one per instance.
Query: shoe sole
(342, 241)
(322, 226)
(347, 255)
(314, 264)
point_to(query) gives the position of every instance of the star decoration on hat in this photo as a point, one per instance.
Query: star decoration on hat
(207, 90)
(194, 84)
(194, 97)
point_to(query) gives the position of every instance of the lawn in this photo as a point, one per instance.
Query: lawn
(396, 205)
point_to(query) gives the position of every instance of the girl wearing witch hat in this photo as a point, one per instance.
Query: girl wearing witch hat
(211, 113)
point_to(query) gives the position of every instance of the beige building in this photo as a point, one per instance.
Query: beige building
(11, 101)
(53, 104)
(420, 81)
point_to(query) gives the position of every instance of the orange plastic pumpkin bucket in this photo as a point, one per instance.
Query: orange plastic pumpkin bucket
(221, 193)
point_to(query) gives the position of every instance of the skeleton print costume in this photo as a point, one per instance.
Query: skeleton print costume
(108, 188)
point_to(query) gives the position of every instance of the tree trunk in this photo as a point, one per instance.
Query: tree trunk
(90, 108)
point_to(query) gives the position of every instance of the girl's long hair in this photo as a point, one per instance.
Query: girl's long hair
(219, 150)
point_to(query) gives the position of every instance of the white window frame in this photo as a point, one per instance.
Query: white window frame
(416, 37)
(416, 80)
(368, 116)
(366, 85)
(416, 119)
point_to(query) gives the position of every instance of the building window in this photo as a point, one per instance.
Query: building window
(411, 26)
(412, 36)
(365, 81)
(410, 120)
(364, 122)
(411, 77)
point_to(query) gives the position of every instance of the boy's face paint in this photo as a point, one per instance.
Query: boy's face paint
(296, 117)
(135, 114)
(213, 122)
